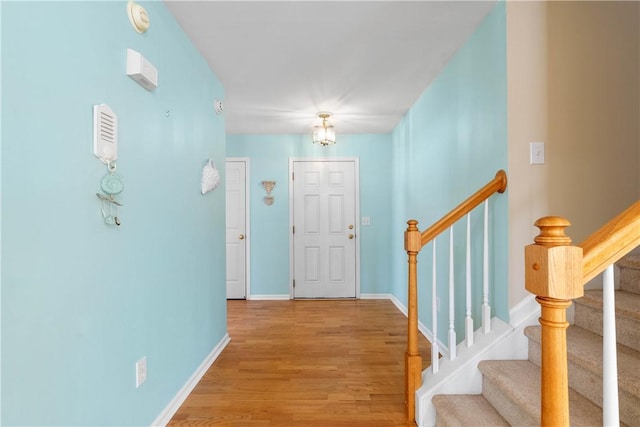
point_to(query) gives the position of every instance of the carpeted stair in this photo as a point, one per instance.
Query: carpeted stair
(511, 388)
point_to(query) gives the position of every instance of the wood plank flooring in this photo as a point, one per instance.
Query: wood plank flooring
(324, 363)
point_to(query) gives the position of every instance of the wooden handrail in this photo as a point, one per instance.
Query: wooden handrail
(496, 185)
(611, 242)
(413, 243)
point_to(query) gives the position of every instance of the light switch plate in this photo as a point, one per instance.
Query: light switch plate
(536, 153)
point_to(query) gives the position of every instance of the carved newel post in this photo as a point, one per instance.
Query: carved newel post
(413, 361)
(553, 272)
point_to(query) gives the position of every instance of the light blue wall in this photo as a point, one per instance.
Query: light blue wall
(269, 156)
(83, 301)
(451, 142)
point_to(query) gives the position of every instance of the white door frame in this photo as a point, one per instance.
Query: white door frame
(356, 162)
(247, 220)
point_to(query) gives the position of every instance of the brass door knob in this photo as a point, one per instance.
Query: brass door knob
(351, 236)
(241, 237)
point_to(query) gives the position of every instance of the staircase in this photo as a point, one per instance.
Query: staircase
(511, 388)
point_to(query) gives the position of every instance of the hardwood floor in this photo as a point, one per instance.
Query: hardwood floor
(328, 363)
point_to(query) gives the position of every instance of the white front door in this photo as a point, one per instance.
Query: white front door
(324, 233)
(236, 214)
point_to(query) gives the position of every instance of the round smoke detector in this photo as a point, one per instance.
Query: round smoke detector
(138, 17)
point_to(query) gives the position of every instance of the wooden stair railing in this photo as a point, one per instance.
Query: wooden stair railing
(414, 241)
(556, 273)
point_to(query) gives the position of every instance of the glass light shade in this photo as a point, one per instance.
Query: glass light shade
(324, 135)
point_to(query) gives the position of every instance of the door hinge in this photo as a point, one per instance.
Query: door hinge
(294, 283)
(294, 229)
(293, 176)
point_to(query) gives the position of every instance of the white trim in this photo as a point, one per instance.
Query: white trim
(526, 309)
(356, 161)
(376, 296)
(247, 221)
(172, 407)
(422, 328)
(270, 297)
(399, 305)
(462, 376)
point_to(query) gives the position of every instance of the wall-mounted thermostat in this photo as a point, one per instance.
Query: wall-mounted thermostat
(141, 70)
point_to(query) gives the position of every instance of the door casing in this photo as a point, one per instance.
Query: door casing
(356, 162)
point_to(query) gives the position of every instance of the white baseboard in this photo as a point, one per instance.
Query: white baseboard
(376, 296)
(399, 305)
(442, 347)
(169, 411)
(523, 311)
(269, 297)
(277, 297)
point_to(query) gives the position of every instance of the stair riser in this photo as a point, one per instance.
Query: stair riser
(627, 330)
(514, 414)
(466, 410)
(589, 384)
(630, 280)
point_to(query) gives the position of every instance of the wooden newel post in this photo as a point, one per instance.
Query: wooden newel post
(413, 361)
(553, 272)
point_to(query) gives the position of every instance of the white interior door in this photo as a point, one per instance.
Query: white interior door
(236, 219)
(324, 233)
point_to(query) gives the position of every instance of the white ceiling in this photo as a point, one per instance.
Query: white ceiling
(365, 61)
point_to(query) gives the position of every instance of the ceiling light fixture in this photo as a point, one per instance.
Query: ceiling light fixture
(324, 134)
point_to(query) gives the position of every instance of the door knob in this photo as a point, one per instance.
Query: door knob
(351, 236)
(351, 227)
(241, 237)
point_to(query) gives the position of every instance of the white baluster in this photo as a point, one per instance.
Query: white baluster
(610, 416)
(452, 320)
(486, 308)
(435, 351)
(468, 326)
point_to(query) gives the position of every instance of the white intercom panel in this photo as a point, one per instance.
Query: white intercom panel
(105, 133)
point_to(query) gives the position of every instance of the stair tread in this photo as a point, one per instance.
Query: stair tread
(627, 303)
(585, 349)
(467, 410)
(520, 380)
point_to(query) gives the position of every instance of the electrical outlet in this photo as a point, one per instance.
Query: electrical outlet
(141, 371)
(536, 153)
